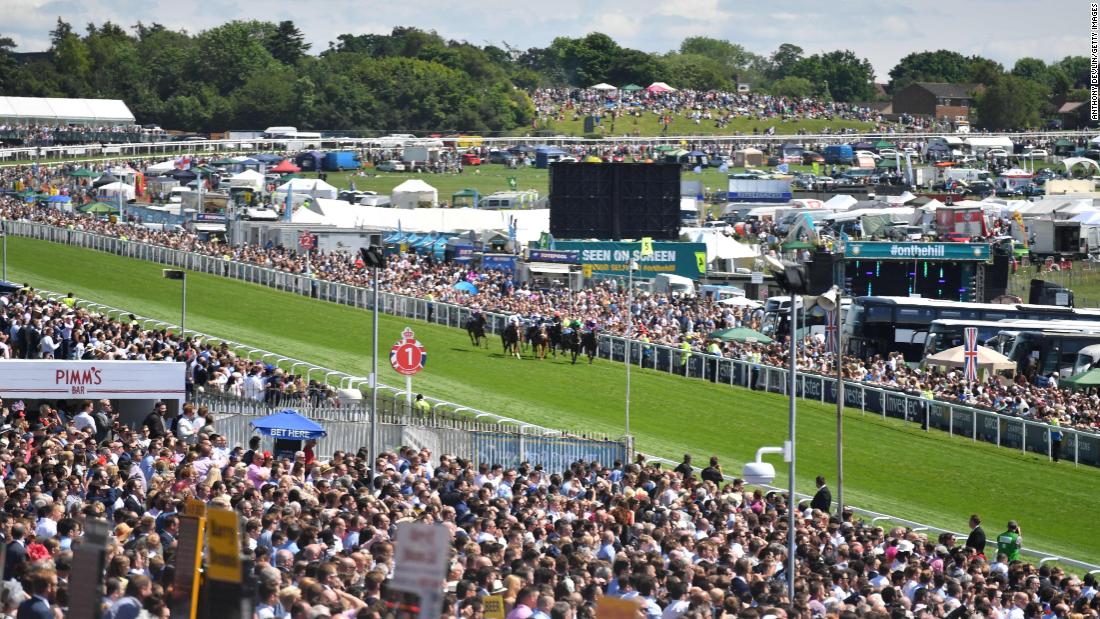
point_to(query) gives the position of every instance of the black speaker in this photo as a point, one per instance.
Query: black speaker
(1046, 293)
(615, 201)
(822, 272)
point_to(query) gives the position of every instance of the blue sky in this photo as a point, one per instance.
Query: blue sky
(880, 30)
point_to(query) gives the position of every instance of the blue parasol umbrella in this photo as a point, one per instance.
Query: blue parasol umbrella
(59, 198)
(466, 287)
(289, 425)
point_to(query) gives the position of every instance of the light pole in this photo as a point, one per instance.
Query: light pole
(839, 411)
(4, 236)
(181, 275)
(790, 439)
(762, 473)
(373, 259)
(629, 334)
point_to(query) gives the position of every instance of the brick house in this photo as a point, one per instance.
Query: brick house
(949, 102)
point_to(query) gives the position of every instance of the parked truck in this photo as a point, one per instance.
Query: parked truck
(1061, 239)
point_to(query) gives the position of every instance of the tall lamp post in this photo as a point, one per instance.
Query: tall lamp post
(629, 334)
(373, 259)
(4, 237)
(792, 278)
(181, 275)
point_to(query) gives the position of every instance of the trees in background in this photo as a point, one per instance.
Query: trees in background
(252, 74)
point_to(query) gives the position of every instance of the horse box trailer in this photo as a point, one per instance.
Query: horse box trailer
(339, 160)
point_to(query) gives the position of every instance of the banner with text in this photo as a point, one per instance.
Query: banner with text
(613, 257)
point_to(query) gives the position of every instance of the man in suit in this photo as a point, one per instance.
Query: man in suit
(43, 587)
(823, 499)
(976, 539)
(16, 552)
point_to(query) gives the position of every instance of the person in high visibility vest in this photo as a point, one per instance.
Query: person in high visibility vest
(1010, 542)
(69, 301)
(685, 354)
(422, 406)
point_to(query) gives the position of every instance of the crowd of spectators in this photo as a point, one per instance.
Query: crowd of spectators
(33, 327)
(41, 134)
(319, 534)
(714, 108)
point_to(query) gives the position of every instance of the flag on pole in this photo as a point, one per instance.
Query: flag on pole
(830, 332)
(970, 354)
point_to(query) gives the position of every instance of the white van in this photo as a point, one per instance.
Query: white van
(669, 283)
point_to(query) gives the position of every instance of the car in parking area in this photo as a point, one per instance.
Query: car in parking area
(471, 159)
(391, 166)
(501, 156)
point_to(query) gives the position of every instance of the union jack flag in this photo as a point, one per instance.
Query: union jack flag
(830, 332)
(970, 354)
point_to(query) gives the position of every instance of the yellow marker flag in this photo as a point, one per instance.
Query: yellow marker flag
(701, 261)
(647, 246)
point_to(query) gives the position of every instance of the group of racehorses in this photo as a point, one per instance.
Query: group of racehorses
(541, 338)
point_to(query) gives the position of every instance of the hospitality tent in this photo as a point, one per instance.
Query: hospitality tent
(414, 193)
(286, 167)
(111, 191)
(311, 187)
(748, 158)
(1070, 162)
(163, 167)
(659, 87)
(57, 111)
(719, 246)
(249, 178)
(603, 86)
(632, 88)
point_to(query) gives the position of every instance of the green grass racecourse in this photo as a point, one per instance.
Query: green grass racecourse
(889, 466)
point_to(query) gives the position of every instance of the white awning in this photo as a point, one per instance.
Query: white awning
(548, 267)
(209, 227)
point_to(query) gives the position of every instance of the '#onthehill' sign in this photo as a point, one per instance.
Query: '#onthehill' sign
(124, 380)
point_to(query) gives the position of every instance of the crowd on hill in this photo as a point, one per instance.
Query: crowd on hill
(655, 318)
(320, 534)
(713, 108)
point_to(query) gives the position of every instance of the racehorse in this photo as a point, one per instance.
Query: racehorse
(509, 337)
(571, 342)
(530, 335)
(556, 342)
(588, 343)
(475, 328)
(541, 342)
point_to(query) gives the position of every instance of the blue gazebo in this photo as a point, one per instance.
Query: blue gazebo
(289, 428)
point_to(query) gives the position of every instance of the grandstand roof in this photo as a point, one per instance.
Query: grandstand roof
(62, 111)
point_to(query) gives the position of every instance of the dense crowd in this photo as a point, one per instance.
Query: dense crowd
(319, 534)
(41, 134)
(713, 108)
(33, 327)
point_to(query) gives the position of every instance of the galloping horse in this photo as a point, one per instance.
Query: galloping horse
(530, 335)
(541, 342)
(509, 337)
(589, 344)
(475, 328)
(571, 342)
(556, 342)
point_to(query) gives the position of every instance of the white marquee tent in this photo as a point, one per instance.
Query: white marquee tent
(27, 110)
(414, 193)
(248, 178)
(303, 187)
